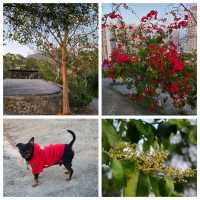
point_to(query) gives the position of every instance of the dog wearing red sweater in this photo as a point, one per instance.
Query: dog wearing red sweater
(54, 154)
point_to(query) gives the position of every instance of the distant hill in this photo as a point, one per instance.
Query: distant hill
(37, 56)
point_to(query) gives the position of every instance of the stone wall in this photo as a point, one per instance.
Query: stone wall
(33, 105)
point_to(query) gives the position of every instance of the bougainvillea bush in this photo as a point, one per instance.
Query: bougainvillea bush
(147, 58)
(149, 157)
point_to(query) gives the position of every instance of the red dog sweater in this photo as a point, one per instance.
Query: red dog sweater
(45, 157)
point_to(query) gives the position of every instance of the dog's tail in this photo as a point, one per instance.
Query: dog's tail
(73, 139)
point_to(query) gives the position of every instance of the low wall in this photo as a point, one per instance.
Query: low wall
(31, 97)
(33, 105)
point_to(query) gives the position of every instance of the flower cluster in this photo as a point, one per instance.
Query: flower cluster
(146, 55)
(178, 23)
(150, 162)
(151, 15)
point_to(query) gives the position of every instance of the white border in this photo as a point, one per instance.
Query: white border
(100, 117)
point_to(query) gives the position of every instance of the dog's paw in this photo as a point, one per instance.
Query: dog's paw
(35, 183)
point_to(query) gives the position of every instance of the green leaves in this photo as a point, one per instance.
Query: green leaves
(109, 135)
(147, 173)
(138, 129)
(166, 186)
(143, 52)
(144, 185)
(131, 181)
(155, 185)
(117, 171)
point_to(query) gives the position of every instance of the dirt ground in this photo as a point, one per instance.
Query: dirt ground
(17, 179)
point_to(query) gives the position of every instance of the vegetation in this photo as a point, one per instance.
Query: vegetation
(55, 29)
(148, 58)
(140, 157)
(83, 80)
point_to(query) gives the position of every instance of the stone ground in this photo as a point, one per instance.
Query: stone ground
(17, 179)
(114, 103)
(13, 87)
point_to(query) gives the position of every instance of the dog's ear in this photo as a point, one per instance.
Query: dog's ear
(31, 141)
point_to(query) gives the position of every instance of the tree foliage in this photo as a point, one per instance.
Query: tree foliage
(138, 157)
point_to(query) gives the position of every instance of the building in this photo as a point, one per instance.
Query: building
(107, 44)
(192, 30)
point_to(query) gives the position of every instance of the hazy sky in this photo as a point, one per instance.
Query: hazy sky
(139, 9)
(16, 48)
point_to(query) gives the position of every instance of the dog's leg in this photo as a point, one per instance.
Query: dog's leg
(70, 170)
(35, 181)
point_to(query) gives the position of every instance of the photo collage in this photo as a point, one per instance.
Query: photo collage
(100, 99)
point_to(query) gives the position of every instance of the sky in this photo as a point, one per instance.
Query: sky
(140, 10)
(16, 48)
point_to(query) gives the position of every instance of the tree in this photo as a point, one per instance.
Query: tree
(143, 157)
(55, 29)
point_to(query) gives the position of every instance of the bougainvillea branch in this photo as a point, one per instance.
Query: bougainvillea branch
(147, 55)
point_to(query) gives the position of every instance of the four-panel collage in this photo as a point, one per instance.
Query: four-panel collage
(100, 99)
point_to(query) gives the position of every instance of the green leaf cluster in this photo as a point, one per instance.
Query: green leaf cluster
(144, 169)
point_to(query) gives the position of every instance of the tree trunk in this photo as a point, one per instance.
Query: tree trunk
(64, 76)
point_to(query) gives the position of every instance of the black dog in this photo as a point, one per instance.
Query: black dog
(50, 155)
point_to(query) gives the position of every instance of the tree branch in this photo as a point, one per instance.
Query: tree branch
(191, 13)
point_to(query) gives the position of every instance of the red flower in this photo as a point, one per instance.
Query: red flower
(187, 87)
(114, 27)
(183, 24)
(122, 58)
(174, 88)
(106, 63)
(146, 90)
(103, 26)
(177, 65)
(114, 15)
(181, 94)
(152, 13)
(144, 19)
(119, 46)
(115, 52)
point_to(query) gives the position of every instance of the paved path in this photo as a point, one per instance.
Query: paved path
(13, 87)
(113, 103)
(17, 179)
